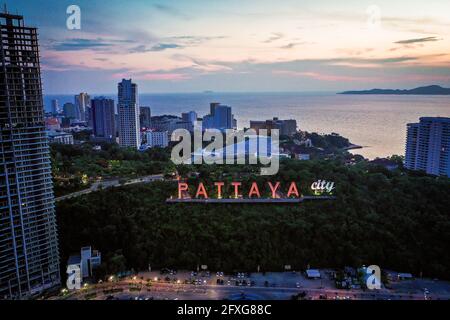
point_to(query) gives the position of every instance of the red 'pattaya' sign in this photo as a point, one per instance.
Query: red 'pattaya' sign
(275, 191)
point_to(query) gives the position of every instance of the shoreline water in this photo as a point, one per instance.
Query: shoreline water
(378, 121)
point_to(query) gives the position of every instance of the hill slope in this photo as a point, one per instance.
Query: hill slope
(428, 90)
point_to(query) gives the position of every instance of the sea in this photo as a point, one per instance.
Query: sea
(377, 123)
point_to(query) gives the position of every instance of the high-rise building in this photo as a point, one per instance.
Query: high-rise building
(55, 107)
(82, 102)
(103, 119)
(29, 258)
(428, 146)
(212, 107)
(285, 127)
(220, 117)
(70, 111)
(128, 107)
(170, 124)
(412, 131)
(145, 117)
(190, 116)
(88, 115)
(157, 139)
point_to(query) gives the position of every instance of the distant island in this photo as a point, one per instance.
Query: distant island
(428, 90)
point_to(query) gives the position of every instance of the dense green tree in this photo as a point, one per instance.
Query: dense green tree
(393, 219)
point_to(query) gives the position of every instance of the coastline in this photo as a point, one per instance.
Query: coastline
(353, 147)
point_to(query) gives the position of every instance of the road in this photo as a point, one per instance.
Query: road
(152, 285)
(99, 185)
(164, 291)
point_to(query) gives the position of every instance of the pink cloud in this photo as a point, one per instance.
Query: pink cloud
(338, 78)
(325, 77)
(424, 77)
(153, 76)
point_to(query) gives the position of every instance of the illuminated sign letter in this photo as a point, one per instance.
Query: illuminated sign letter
(182, 187)
(274, 189)
(219, 186)
(293, 190)
(201, 191)
(254, 191)
(236, 186)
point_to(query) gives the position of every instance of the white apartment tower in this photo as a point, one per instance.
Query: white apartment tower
(428, 146)
(128, 108)
(82, 103)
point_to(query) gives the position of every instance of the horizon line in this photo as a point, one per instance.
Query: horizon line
(206, 92)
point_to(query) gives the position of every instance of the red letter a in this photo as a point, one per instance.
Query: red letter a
(293, 190)
(201, 191)
(254, 190)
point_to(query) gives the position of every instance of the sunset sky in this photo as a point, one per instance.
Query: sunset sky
(245, 45)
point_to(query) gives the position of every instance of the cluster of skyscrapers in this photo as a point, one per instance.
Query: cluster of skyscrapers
(79, 110)
(132, 123)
